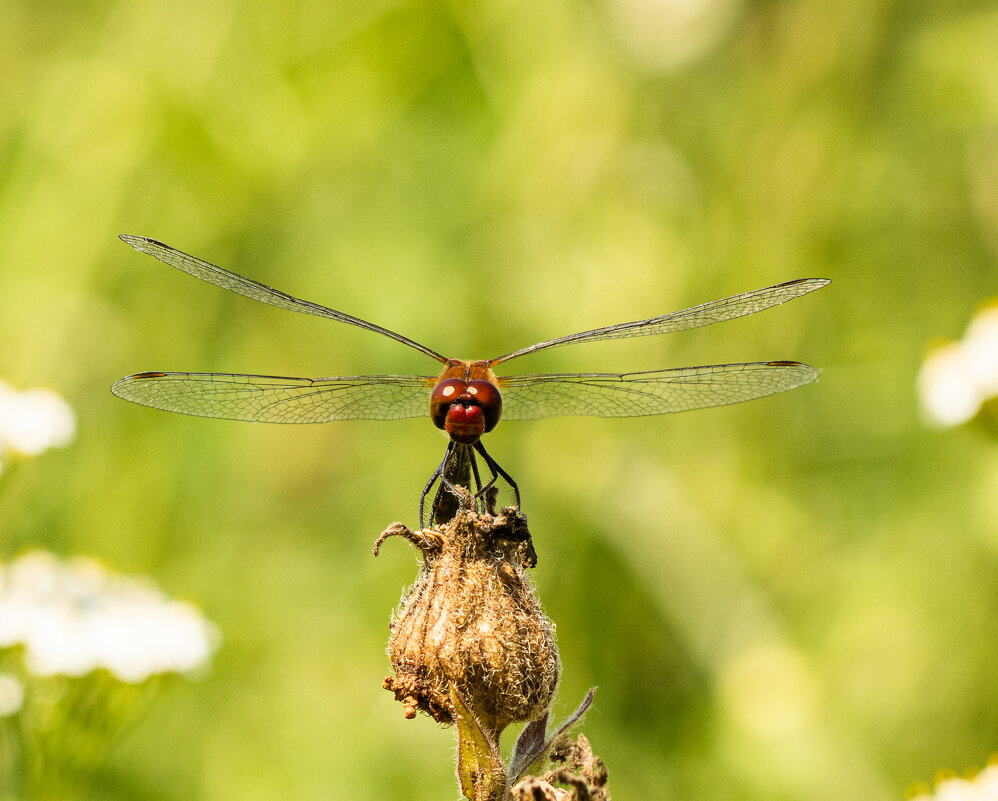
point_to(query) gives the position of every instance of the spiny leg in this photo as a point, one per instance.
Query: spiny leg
(492, 481)
(438, 473)
(489, 492)
(485, 495)
(478, 480)
(495, 469)
(457, 469)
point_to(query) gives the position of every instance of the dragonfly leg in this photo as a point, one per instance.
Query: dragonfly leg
(478, 481)
(496, 471)
(437, 474)
(488, 492)
(491, 483)
(455, 471)
(485, 495)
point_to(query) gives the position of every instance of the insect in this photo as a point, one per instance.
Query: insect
(466, 398)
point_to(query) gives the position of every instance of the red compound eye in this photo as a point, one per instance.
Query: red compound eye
(444, 395)
(487, 396)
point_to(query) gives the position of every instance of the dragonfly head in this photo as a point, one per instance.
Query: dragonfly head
(465, 409)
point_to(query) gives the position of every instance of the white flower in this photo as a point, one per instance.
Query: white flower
(983, 787)
(76, 617)
(957, 378)
(980, 344)
(949, 394)
(33, 421)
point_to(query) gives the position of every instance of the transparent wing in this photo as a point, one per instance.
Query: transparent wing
(695, 317)
(529, 397)
(278, 399)
(257, 291)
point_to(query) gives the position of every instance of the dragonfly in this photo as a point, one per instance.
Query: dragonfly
(466, 399)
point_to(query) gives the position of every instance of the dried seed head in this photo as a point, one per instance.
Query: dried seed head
(471, 621)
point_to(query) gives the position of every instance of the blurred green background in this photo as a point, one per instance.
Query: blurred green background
(790, 599)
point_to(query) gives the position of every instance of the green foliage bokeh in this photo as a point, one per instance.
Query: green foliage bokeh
(791, 599)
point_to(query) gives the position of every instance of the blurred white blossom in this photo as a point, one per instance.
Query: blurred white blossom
(980, 346)
(11, 695)
(78, 616)
(33, 421)
(957, 378)
(983, 787)
(665, 34)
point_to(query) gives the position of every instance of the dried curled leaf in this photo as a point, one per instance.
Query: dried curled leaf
(534, 745)
(583, 774)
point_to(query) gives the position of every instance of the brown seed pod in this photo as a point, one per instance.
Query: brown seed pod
(471, 622)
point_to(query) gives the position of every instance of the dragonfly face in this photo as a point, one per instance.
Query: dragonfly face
(466, 402)
(467, 399)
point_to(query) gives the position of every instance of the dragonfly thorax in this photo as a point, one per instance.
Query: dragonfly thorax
(465, 403)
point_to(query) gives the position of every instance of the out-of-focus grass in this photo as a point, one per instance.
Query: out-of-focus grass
(791, 599)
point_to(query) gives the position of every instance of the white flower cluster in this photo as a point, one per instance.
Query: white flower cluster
(33, 421)
(983, 787)
(77, 616)
(958, 377)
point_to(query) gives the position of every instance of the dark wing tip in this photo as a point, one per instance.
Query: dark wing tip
(137, 242)
(123, 386)
(817, 282)
(806, 371)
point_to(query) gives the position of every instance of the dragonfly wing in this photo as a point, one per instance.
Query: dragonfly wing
(249, 288)
(278, 399)
(529, 397)
(696, 317)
